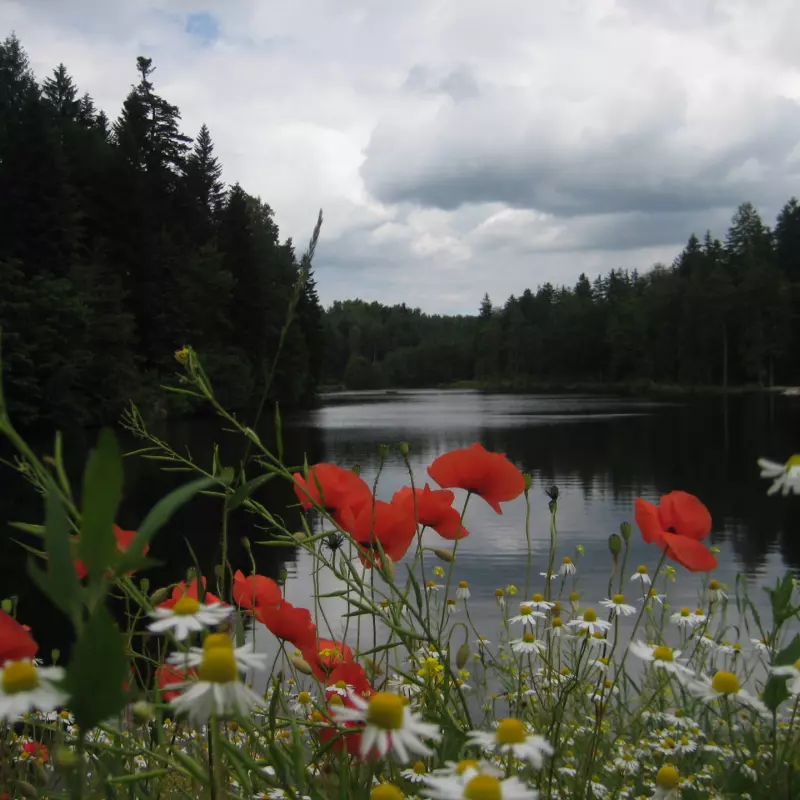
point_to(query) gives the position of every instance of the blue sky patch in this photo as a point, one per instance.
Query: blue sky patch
(203, 25)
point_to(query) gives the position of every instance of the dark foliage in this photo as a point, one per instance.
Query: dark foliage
(119, 244)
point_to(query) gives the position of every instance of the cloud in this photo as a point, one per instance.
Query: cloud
(454, 151)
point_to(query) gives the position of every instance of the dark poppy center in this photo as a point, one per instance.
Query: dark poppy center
(671, 530)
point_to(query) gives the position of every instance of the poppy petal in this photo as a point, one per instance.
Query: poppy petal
(647, 518)
(693, 555)
(685, 514)
(15, 642)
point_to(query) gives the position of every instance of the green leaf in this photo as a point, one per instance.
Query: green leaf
(775, 692)
(246, 489)
(781, 598)
(163, 510)
(96, 671)
(64, 588)
(278, 432)
(789, 654)
(25, 527)
(102, 493)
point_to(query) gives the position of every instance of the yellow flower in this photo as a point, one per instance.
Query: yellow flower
(182, 355)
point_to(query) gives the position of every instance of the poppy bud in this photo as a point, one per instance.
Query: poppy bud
(615, 544)
(8, 605)
(462, 655)
(444, 555)
(283, 575)
(356, 469)
(625, 530)
(388, 567)
(552, 492)
(246, 543)
(65, 757)
(144, 585)
(159, 596)
(300, 664)
(142, 713)
(299, 536)
(55, 654)
(404, 449)
(383, 452)
(528, 480)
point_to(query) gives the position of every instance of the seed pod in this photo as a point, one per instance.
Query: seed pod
(159, 596)
(462, 655)
(7, 605)
(404, 449)
(615, 544)
(300, 664)
(625, 530)
(444, 555)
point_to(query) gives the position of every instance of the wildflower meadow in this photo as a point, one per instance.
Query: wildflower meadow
(559, 699)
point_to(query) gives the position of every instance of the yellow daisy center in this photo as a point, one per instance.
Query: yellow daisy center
(340, 685)
(597, 635)
(725, 683)
(714, 586)
(618, 599)
(463, 585)
(386, 711)
(627, 757)
(662, 653)
(335, 700)
(431, 584)
(698, 612)
(685, 612)
(567, 560)
(214, 640)
(19, 676)
(218, 665)
(304, 698)
(450, 601)
(797, 664)
(386, 791)
(528, 638)
(642, 569)
(186, 606)
(499, 593)
(467, 763)
(510, 731)
(526, 611)
(667, 777)
(669, 742)
(574, 597)
(483, 787)
(419, 768)
(557, 623)
(590, 615)
(537, 598)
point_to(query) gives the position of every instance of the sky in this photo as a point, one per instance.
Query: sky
(458, 147)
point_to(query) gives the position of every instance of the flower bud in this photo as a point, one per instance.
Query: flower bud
(625, 530)
(356, 469)
(283, 575)
(55, 654)
(528, 480)
(300, 664)
(246, 543)
(299, 536)
(388, 567)
(615, 544)
(159, 596)
(142, 713)
(7, 605)
(462, 655)
(65, 757)
(383, 452)
(144, 585)
(444, 555)
(404, 449)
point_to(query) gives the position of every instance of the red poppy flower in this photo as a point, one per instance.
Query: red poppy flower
(391, 524)
(289, 623)
(434, 510)
(167, 675)
(490, 475)
(339, 737)
(124, 540)
(350, 673)
(677, 525)
(323, 655)
(180, 590)
(15, 641)
(341, 490)
(255, 590)
(36, 750)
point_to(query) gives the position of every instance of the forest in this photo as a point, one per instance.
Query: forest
(120, 244)
(724, 314)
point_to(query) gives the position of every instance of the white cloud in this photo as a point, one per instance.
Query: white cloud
(455, 150)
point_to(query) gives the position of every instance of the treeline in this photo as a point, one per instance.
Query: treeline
(119, 244)
(723, 314)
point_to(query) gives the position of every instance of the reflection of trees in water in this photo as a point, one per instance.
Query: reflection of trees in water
(199, 523)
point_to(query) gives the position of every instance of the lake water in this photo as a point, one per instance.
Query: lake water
(601, 453)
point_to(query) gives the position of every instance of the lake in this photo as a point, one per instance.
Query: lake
(601, 453)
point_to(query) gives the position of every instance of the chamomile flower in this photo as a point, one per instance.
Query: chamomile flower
(617, 606)
(24, 687)
(567, 567)
(451, 605)
(725, 684)
(478, 787)
(500, 597)
(641, 575)
(218, 690)
(748, 769)
(466, 768)
(786, 477)
(511, 735)
(686, 619)
(390, 725)
(432, 586)
(246, 659)
(558, 628)
(715, 593)
(589, 622)
(551, 575)
(527, 616)
(667, 783)
(482, 643)
(303, 704)
(527, 644)
(661, 657)
(761, 646)
(415, 774)
(652, 597)
(537, 603)
(626, 763)
(188, 616)
(792, 671)
(462, 593)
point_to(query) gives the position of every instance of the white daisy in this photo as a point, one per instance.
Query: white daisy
(500, 597)
(667, 783)
(478, 786)
(415, 774)
(725, 684)
(537, 603)
(25, 687)
(558, 628)
(527, 644)
(511, 735)
(589, 622)
(761, 646)
(617, 606)
(389, 725)
(303, 704)
(641, 576)
(792, 671)
(451, 605)
(462, 593)
(626, 763)
(188, 616)
(218, 690)
(527, 616)
(686, 619)
(567, 567)
(482, 642)
(246, 659)
(468, 765)
(552, 575)
(786, 477)
(432, 586)
(653, 596)
(661, 657)
(715, 593)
